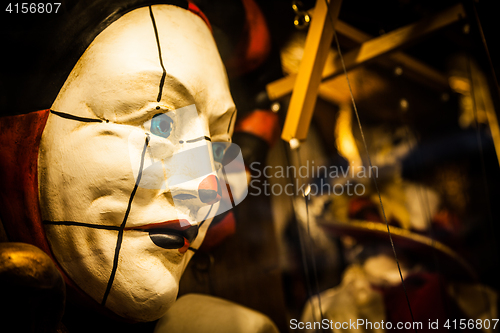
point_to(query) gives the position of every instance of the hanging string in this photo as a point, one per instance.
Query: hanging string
(483, 171)
(301, 242)
(308, 242)
(481, 151)
(495, 81)
(487, 51)
(374, 180)
(370, 163)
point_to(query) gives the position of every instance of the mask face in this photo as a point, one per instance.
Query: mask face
(128, 163)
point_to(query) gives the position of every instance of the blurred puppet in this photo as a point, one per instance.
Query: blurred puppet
(431, 228)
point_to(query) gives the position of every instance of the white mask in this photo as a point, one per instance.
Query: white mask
(105, 184)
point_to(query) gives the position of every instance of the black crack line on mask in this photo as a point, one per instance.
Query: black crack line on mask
(162, 81)
(72, 117)
(199, 139)
(230, 121)
(81, 224)
(227, 182)
(206, 216)
(122, 226)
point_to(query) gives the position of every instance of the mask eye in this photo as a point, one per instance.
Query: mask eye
(162, 125)
(218, 149)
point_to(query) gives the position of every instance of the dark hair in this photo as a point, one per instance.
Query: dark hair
(40, 50)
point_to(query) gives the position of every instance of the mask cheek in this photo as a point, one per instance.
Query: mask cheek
(85, 254)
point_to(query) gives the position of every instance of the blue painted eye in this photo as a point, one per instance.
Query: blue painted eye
(162, 125)
(219, 149)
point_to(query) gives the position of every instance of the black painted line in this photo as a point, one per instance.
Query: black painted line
(199, 139)
(192, 248)
(81, 224)
(195, 140)
(228, 189)
(122, 226)
(230, 121)
(162, 81)
(204, 220)
(72, 117)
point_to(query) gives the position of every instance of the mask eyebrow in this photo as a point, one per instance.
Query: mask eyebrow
(73, 117)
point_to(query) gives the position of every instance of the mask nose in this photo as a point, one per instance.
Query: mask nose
(209, 190)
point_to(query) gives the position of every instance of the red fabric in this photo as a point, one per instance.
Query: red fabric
(447, 221)
(261, 123)
(219, 232)
(364, 209)
(19, 206)
(255, 43)
(194, 9)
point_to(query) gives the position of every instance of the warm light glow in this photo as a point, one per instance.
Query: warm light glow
(346, 143)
